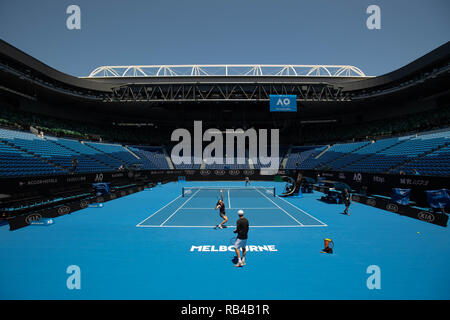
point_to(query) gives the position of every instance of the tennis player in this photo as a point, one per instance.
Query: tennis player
(241, 239)
(247, 181)
(347, 201)
(221, 206)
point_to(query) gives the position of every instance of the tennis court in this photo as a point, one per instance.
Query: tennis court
(195, 208)
(159, 244)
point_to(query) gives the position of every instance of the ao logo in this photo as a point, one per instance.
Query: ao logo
(283, 102)
(357, 177)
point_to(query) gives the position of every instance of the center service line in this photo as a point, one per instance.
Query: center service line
(280, 207)
(179, 207)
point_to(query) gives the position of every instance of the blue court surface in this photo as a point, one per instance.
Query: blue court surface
(163, 244)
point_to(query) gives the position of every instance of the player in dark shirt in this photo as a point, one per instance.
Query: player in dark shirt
(242, 227)
(347, 201)
(221, 206)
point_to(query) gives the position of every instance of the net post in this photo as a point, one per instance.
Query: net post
(182, 192)
(274, 192)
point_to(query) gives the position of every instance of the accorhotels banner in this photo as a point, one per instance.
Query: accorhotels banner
(22, 184)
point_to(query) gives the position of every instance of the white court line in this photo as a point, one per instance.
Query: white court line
(287, 226)
(180, 208)
(266, 208)
(279, 207)
(302, 211)
(138, 225)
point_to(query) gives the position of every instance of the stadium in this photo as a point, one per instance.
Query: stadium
(92, 179)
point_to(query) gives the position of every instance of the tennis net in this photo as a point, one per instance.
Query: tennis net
(240, 192)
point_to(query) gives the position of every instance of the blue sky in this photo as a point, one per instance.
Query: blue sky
(233, 31)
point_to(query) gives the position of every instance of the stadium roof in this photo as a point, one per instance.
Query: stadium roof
(225, 70)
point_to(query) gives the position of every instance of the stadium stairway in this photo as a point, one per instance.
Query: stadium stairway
(100, 163)
(304, 158)
(169, 160)
(250, 164)
(323, 152)
(334, 152)
(151, 157)
(203, 165)
(285, 158)
(331, 165)
(121, 161)
(134, 154)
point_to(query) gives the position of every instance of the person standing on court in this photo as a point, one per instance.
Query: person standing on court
(347, 201)
(242, 227)
(221, 206)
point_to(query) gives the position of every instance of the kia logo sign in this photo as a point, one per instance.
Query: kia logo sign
(425, 216)
(205, 172)
(392, 207)
(219, 172)
(371, 202)
(33, 217)
(63, 210)
(83, 204)
(249, 172)
(234, 172)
